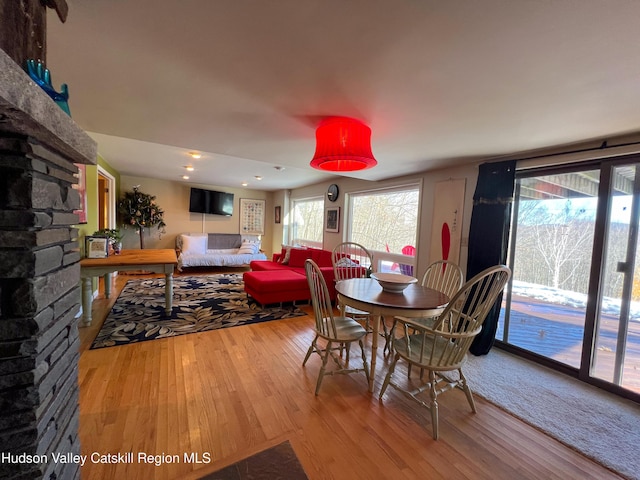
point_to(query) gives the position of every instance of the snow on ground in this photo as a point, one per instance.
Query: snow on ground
(571, 299)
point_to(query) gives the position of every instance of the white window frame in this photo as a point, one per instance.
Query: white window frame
(380, 256)
(305, 242)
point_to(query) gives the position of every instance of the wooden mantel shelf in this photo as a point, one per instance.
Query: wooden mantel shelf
(26, 109)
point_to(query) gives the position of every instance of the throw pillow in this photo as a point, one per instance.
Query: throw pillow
(255, 244)
(324, 259)
(297, 257)
(346, 262)
(196, 245)
(285, 255)
(248, 248)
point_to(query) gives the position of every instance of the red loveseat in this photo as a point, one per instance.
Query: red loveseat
(275, 281)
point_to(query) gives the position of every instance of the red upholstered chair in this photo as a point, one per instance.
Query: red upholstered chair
(405, 269)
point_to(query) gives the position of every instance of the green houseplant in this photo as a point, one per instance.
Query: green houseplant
(139, 210)
(114, 235)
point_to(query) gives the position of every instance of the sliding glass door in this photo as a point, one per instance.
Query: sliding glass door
(552, 239)
(616, 356)
(574, 300)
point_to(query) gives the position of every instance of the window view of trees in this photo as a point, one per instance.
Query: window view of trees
(385, 221)
(555, 239)
(307, 221)
(554, 244)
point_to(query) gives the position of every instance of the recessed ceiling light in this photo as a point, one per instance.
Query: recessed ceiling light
(195, 154)
(189, 168)
(258, 177)
(185, 177)
(279, 168)
(244, 184)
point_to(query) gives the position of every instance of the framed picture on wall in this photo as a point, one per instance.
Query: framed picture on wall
(278, 214)
(252, 216)
(332, 220)
(96, 247)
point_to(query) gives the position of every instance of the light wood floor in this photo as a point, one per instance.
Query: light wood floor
(236, 391)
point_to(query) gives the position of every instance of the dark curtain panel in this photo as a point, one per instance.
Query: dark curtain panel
(489, 235)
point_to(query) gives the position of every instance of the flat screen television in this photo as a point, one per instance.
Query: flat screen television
(210, 201)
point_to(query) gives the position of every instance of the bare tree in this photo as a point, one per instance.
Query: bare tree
(558, 240)
(386, 220)
(307, 222)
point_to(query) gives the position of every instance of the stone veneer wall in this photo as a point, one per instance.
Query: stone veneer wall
(39, 279)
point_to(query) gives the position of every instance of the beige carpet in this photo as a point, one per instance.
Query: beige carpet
(601, 425)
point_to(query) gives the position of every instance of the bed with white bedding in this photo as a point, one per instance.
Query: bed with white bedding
(217, 250)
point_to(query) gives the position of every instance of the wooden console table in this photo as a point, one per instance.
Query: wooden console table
(157, 261)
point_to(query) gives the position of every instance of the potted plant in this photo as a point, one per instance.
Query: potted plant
(114, 235)
(139, 210)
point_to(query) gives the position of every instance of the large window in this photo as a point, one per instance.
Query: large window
(306, 224)
(386, 222)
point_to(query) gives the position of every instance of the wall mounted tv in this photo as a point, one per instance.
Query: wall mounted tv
(210, 201)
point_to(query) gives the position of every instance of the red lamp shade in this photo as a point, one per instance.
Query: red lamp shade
(343, 145)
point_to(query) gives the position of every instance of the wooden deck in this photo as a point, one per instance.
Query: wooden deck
(556, 332)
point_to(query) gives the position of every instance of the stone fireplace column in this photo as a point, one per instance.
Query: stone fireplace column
(39, 279)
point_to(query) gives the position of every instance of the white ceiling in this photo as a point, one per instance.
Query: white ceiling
(246, 82)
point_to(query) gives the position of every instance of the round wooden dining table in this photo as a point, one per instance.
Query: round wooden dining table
(367, 295)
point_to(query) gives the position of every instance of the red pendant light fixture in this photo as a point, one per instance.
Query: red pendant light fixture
(343, 145)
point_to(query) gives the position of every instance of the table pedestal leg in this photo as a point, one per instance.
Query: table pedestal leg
(107, 285)
(168, 293)
(87, 299)
(374, 350)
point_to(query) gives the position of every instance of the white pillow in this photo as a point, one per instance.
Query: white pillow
(248, 248)
(194, 245)
(251, 239)
(346, 262)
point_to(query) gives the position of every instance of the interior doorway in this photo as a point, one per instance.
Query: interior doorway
(106, 199)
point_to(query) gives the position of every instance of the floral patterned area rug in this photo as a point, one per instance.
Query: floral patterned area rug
(200, 304)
